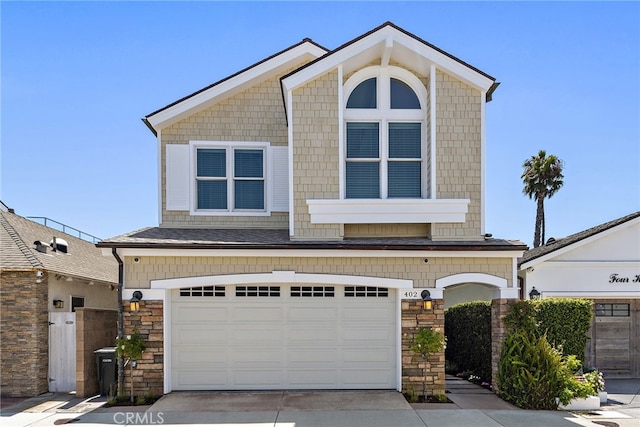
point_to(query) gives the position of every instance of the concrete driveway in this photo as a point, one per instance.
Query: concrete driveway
(280, 401)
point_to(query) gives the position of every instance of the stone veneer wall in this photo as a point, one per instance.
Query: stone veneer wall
(499, 309)
(148, 377)
(415, 317)
(24, 333)
(95, 329)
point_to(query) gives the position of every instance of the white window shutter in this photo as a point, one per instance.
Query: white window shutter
(178, 177)
(279, 178)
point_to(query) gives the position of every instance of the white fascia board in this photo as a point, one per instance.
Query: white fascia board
(577, 244)
(446, 63)
(387, 38)
(316, 253)
(236, 84)
(332, 61)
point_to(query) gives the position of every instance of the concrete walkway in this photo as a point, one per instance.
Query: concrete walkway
(321, 409)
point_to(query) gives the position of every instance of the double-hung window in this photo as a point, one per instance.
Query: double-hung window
(230, 178)
(384, 126)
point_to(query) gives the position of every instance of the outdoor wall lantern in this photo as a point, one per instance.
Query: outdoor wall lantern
(427, 302)
(58, 303)
(134, 303)
(534, 294)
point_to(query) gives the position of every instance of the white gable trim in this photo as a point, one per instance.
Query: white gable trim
(235, 84)
(388, 39)
(502, 289)
(578, 244)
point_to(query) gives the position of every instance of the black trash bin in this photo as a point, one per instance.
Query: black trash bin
(107, 370)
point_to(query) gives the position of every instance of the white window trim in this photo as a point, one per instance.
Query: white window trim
(383, 115)
(228, 146)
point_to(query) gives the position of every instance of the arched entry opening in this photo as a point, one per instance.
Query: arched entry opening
(468, 287)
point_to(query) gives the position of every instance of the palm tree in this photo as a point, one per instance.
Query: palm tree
(542, 178)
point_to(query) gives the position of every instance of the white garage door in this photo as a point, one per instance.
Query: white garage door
(283, 337)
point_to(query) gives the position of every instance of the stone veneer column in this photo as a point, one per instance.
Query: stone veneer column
(499, 309)
(148, 377)
(24, 333)
(415, 317)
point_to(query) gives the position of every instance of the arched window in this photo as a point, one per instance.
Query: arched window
(384, 142)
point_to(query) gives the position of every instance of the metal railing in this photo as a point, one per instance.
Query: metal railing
(48, 222)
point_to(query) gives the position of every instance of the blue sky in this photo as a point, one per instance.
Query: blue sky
(78, 76)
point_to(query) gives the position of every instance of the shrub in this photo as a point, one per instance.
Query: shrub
(532, 373)
(426, 342)
(468, 330)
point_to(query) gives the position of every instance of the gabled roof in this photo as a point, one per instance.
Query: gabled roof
(388, 43)
(537, 254)
(305, 50)
(18, 251)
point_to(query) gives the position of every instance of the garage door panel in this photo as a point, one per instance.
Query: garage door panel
(320, 358)
(365, 378)
(199, 335)
(257, 379)
(319, 378)
(256, 313)
(201, 379)
(262, 336)
(258, 357)
(253, 343)
(201, 357)
(312, 314)
(192, 313)
(354, 335)
(367, 354)
(317, 336)
(375, 314)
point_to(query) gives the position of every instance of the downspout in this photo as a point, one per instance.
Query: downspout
(114, 251)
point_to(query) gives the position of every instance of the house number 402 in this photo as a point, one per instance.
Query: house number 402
(410, 295)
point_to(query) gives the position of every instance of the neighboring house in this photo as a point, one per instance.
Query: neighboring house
(602, 264)
(306, 202)
(47, 276)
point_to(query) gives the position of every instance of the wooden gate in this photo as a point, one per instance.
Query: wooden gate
(615, 338)
(62, 352)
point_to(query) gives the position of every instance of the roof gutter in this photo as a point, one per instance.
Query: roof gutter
(492, 89)
(114, 251)
(453, 247)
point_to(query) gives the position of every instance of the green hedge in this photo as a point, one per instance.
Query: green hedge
(564, 321)
(467, 327)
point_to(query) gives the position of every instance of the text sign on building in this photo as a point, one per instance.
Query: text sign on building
(616, 278)
(410, 294)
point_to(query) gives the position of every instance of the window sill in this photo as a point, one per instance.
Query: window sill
(229, 213)
(387, 211)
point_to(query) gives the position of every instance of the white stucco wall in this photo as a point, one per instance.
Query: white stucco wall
(98, 295)
(604, 266)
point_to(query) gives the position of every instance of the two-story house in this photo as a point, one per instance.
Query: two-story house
(305, 203)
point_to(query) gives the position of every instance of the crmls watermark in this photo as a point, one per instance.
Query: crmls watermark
(147, 418)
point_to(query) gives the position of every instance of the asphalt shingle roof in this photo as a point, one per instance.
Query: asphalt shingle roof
(191, 238)
(574, 238)
(83, 260)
